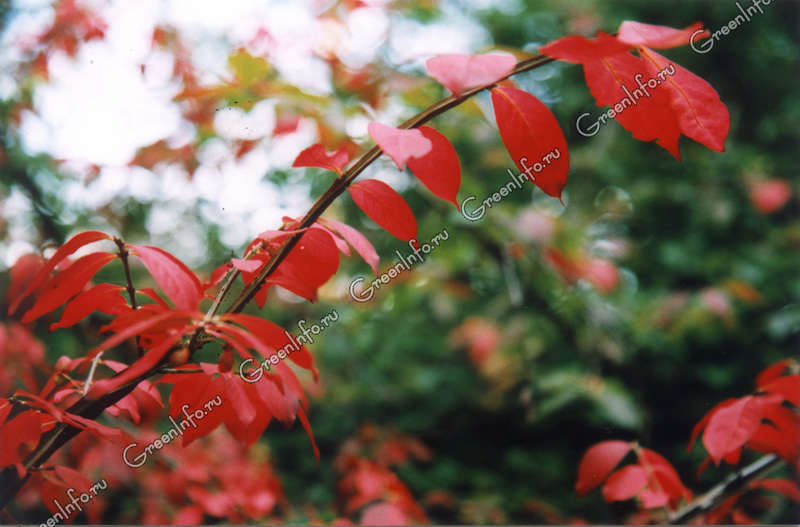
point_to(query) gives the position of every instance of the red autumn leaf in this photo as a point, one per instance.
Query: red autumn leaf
(785, 487)
(700, 426)
(533, 138)
(459, 72)
(625, 483)
(19, 436)
(700, 113)
(67, 284)
(358, 241)
(177, 281)
(665, 476)
(317, 156)
(385, 207)
(598, 462)
(72, 245)
(22, 274)
(310, 263)
(731, 427)
(275, 337)
(141, 322)
(401, 145)
(192, 394)
(658, 37)
(787, 387)
(106, 298)
(189, 515)
(439, 169)
(770, 195)
(772, 372)
(250, 415)
(581, 50)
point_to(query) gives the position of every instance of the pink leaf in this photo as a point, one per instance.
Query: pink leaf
(659, 37)
(400, 145)
(458, 72)
(359, 242)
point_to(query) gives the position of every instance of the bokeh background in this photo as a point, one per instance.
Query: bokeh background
(492, 366)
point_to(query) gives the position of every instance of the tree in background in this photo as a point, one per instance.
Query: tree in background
(628, 310)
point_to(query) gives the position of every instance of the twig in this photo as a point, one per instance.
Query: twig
(88, 382)
(719, 492)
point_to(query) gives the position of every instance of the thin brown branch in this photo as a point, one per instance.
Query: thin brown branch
(728, 486)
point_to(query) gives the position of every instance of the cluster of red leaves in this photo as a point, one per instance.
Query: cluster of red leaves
(681, 104)
(368, 486)
(766, 421)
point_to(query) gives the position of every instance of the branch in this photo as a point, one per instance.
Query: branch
(729, 485)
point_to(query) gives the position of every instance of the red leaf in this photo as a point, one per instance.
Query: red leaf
(385, 207)
(102, 297)
(177, 281)
(276, 338)
(625, 483)
(533, 138)
(72, 245)
(316, 156)
(459, 72)
(659, 37)
(67, 284)
(310, 263)
(22, 274)
(399, 144)
(598, 462)
(19, 436)
(704, 421)
(139, 327)
(700, 113)
(192, 395)
(730, 427)
(785, 487)
(787, 387)
(439, 169)
(772, 372)
(581, 50)
(359, 242)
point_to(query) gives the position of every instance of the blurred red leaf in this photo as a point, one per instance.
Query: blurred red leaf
(658, 37)
(625, 483)
(731, 427)
(598, 462)
(459, 72)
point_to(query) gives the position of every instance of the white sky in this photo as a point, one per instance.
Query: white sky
(98, 108)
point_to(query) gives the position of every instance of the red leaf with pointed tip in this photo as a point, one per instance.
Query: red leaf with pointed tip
(106, 298)
(72, 245)
(530, 132)
(439, 169)
(787, 387)
(700, 426)
(772, 372)
(317, 156)
(191, 395)
(399, 144)
(701, 115)
(581, 50)
(598, 462)
(730, 427)
(67, 284)
(177, 281)
(625, 483)
(459, 72)
(648, 115)
(658, 37)
(22, 274)
(140, 326)
(385, 207)
(359, 242)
